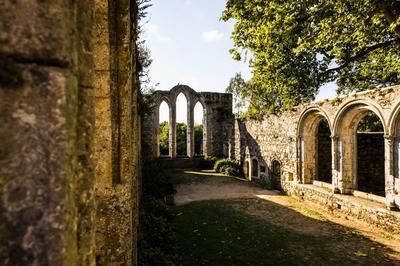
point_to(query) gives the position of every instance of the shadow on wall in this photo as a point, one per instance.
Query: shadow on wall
(254, 165)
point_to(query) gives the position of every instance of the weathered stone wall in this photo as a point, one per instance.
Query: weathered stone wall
(69, 133)
(218, 122)
(290, 138)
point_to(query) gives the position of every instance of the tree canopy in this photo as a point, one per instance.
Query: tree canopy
(295, 47)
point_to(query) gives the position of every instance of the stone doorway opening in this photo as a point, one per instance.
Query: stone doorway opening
(324, 152)
(276, 175)
(371, 155)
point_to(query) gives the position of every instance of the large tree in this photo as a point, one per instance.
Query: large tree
(296, 46)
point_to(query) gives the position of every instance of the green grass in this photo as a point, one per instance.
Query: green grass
(178, 177)
(213, 233)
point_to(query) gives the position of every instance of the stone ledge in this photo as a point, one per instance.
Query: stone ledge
(372, 212)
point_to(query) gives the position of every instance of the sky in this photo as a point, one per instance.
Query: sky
(189, 45)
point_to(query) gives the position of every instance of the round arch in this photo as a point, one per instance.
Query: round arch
(359, 107)
(276, 174)
(345, 126)
(309, 146)
(394, 133)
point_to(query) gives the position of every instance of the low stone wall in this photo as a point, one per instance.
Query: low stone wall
(370, 212)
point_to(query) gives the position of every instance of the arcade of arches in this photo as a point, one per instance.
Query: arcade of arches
(217, 126)
(348, 145)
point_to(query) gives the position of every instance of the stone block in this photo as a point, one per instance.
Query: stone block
(38, 31)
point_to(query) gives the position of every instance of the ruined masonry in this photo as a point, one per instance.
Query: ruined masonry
(69, 132)
(218, 122)
(350, 173)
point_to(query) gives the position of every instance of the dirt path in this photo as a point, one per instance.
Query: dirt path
(303, 217)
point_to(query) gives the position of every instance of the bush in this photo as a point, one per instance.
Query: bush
(233, 171)
(228, 167)
(208, 162)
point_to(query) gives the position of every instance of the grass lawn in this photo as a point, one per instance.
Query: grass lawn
(214, 233)
(178, 177)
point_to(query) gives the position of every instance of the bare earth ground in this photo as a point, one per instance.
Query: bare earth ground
(304, 217)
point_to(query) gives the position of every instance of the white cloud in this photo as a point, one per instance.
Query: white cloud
(212, 35)
(188, 2)
(153, 30)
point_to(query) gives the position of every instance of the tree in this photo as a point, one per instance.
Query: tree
(297, 46)
(181, 139)
(164, 138)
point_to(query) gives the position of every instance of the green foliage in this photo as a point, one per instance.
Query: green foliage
(370, 123)
(164, 138)
(157, 243)
(296, 47)
(208, 162)
(228, 167)
(181, 139)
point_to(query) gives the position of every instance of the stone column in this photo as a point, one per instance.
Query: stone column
(190, 129)
(156, 133)
(336, 163)
(389, 173)
(205, 131)
(172, 130)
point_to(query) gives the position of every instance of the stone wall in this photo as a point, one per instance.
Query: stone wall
(69, 134)
(291, 139)
(218, 122)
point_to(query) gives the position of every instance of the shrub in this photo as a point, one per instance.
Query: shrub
(208, 162)
(233, 171)
(228, 167)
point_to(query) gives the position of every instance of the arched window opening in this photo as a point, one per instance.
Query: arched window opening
(276, 175)
(254, 168)
(164, 129)
(181, 125)
(324, 152)
(371, 155)
(199, 134)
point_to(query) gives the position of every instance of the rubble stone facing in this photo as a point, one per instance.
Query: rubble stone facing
(69, 133)
(289, 138)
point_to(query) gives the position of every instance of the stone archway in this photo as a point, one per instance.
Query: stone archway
(276, 173)
(217, 120)
(314, 146)
(345, 146)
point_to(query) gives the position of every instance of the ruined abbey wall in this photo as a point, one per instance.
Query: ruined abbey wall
(69, 133)
(218, 122)
(289, 140)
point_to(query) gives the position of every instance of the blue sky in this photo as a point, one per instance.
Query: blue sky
(190, 45)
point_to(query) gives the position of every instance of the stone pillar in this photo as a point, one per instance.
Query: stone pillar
(336, 161)
(190, 129)
(156, 133)
(172, 130)
(205, 131)
(389, 173)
